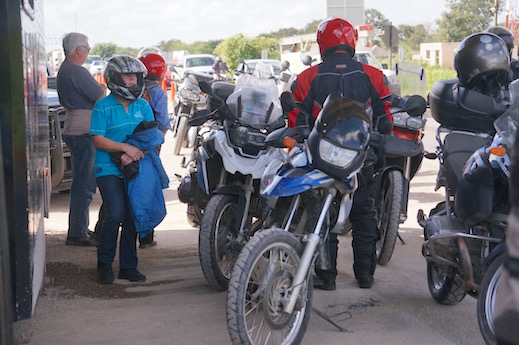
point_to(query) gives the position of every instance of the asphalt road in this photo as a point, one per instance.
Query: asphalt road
(175, 305)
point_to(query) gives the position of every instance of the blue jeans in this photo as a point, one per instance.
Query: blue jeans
(117, 212)
(83, 182)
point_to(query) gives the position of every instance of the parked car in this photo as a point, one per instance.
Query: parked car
(60, 159)
(197, 63)
(97, 66)
(368, 58)
(276, 65)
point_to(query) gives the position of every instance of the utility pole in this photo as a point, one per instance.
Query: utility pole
(496, 11)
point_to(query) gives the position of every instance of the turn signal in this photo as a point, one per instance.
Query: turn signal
(289, 142)
(498, 151)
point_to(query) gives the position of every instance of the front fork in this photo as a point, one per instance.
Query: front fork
(312, 241)
(244, 200)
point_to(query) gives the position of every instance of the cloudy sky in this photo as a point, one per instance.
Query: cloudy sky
(140, 23)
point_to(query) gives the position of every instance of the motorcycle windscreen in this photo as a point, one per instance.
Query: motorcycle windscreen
(411, 79)
(506, 125)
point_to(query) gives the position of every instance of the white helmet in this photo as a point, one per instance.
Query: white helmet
(120, 64)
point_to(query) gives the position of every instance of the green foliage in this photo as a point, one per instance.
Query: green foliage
(376, 18)
(464, 18)
(434, 73)
(238, 46)
(107, 50)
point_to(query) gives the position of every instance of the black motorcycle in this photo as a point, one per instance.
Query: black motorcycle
(464, 235)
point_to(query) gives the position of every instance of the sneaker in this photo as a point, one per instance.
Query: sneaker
(105, 273)
(327, 284)
(81, 241)
(365, 281)
(132, 275)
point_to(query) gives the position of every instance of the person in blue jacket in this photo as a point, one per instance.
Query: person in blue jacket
(114, 120)
(158, 100)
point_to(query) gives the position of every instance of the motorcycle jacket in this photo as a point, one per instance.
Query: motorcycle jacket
(338, 73)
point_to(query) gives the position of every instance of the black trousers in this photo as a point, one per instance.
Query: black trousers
(363, 218)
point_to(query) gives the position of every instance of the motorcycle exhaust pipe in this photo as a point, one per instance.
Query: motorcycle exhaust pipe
(468, 274)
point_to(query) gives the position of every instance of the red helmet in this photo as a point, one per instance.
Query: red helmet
(155, 64)
(336, 33)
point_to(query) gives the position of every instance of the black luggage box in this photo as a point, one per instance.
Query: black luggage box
(222, 89)
(456, 107)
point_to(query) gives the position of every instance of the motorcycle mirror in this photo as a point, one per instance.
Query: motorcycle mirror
(287, 102)
(199, 118)
(306, 60)
(276, 138)
(415, 105)
(206, 87)
(240, 60)
(285, 65)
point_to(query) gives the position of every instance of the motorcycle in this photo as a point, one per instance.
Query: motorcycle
(401, 154)
(269, 298)
(230, 162)
(190, 100)
(464, 235)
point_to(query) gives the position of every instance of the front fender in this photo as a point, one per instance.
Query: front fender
(296, 181)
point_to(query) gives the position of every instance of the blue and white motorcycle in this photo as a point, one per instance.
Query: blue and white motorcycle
(269, 298)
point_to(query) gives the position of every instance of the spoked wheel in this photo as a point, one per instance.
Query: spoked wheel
(390, 205)
(443, 288)
(218, 246)
(487, 300)
(258, 290)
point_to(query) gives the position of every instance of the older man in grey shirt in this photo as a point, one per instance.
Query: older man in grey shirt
(78, 91)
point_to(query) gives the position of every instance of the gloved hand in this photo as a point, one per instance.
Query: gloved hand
(385, 124)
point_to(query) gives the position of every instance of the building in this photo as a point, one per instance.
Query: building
(438, 53)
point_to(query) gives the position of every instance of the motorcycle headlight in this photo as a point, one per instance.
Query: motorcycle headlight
(338, 156)
(240, 135)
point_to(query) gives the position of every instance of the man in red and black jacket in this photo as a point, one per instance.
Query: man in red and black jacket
(340, 73)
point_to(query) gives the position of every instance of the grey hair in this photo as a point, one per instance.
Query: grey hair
(72, 40)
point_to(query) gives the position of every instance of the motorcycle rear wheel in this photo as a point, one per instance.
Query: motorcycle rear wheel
(181, 134)
(261, 276)
(486, 299)
(390, 204)
(217, 247)
(444, 289)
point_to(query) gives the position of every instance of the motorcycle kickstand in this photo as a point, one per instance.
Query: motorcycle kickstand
(327, 318)
(400, 238)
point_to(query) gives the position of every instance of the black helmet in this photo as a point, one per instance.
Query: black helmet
(120, 64)
(505, 34)
(482, 62)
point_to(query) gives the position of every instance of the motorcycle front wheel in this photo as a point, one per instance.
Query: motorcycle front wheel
(259, 283)
(181, 134)
(217, 241)
(390, 204)
(486, 299)
(444, 289)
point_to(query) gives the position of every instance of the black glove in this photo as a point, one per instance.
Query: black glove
(385, 125)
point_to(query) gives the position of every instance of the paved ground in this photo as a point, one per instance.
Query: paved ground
(175, 305)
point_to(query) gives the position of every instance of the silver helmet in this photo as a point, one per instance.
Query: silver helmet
(120, 64)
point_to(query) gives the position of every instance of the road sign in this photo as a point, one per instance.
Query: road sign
(390, 36)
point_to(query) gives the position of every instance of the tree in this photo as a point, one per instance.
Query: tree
(376, 18)
(464, 18)
(239, 46)
(411, 36)
(105, 50)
